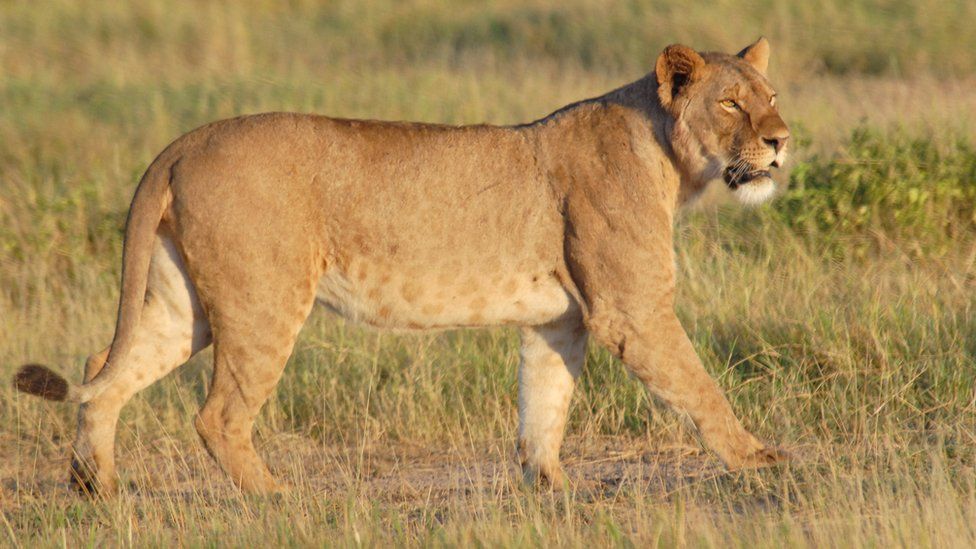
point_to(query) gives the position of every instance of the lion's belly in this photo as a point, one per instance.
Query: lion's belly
(418, 300)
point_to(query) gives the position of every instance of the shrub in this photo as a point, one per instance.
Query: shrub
(884, 187)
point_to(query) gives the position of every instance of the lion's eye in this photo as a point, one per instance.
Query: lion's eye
(730, 104)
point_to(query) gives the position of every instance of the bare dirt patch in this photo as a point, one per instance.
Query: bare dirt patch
(394, 473)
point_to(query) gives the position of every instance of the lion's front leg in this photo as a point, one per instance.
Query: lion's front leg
(552, 358)
(660, 354)
(621, 259)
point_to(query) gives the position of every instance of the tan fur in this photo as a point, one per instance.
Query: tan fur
(562, 226)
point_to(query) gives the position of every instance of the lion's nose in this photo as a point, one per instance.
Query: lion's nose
(777, 142)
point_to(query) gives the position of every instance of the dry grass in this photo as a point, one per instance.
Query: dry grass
(861, 364)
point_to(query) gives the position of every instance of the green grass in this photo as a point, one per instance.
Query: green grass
(839, 319)
(885, 186)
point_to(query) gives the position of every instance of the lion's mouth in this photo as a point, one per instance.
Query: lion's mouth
(736, 178)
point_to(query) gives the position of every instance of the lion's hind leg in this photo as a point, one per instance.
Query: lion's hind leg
(246, 371)
(255, 325)
(171, 329)
(250, 353)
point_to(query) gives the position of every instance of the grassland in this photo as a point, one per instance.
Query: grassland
(839, 319)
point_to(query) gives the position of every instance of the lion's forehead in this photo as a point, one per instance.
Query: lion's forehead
(744, 84)
(748, 90)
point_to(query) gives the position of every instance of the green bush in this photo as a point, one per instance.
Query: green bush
(882, 188)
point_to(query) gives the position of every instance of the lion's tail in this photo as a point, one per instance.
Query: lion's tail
(147, 208)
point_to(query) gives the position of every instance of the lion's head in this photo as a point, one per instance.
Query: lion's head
(725, 118)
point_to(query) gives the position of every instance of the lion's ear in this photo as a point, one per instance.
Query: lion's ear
(757, 54)
(676, 66)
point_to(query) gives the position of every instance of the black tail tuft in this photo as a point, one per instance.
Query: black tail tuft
(41, 381)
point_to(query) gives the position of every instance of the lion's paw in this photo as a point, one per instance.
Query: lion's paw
(766, 457)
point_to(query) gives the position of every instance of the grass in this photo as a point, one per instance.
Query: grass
(839, 319)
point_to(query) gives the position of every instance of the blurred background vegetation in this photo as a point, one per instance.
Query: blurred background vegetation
(839, 318)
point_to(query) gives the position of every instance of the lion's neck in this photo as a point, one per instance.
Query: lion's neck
(695, 166)
(624, 133)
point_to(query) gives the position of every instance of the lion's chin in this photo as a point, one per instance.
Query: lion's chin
(755, 192)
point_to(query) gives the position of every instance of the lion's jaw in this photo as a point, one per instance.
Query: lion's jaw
(751, 183)
(750, 179)
(756, 191)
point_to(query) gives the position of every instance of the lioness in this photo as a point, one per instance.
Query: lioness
(562, 227)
